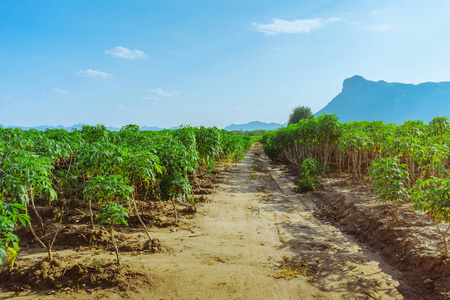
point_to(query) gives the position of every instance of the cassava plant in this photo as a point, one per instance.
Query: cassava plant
(106, 189)
(141, 168)
(388, 181)
(9, 218)
(432, 196)
(25, 176)
(112, 214)
(311, 171)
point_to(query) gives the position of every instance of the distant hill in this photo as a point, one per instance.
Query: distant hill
(390, 102)
(78, 126)
(254, 126)
(153, 128)
(239, 127)
(44, 127)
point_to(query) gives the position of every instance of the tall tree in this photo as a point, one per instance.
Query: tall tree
(298, 113)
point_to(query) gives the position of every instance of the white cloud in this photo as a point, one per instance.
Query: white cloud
(125, 108)
(157, 94)
(378, 12)
(126, 53)
(60, 91)
(387, 27)
(297, 26)
(333, 19)
(94, 74)
(382, 27)
(162, 93)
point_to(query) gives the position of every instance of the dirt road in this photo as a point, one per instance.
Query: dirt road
(253, 223)
(247, 240)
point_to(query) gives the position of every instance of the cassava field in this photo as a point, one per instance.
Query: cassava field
(317, 210)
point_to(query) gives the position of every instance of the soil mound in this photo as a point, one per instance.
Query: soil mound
(68, 275)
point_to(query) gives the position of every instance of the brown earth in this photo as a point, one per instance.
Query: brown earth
(253, 237)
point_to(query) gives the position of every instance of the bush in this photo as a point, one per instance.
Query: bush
(311, 171)
(388, 181)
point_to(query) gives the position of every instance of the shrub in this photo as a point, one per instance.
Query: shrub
(311, 171)
(389, 177)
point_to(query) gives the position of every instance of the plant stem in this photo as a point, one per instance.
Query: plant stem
(36, 212)
(115, 245)
(91, 214)
(175, 210)
(50, 245)
(41, 242)
(443, 235)
(140, 220)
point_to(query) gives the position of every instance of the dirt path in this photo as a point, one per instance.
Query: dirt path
(239, 239)
(237, 243)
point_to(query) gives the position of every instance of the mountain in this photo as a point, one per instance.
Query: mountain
(44, 127)
(78, 126)
(254, 126)
(151, 128)
(239, 127)
(390, 102)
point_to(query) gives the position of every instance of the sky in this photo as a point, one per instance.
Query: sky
(212, 62)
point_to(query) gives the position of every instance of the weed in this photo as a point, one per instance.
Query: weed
(311, 171)
(291, 269)
(98, 265)
(253, 176)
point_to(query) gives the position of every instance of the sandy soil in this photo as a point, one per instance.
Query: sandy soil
(253, 238)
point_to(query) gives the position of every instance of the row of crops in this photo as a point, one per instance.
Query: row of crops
(107, 169)
(408, 162)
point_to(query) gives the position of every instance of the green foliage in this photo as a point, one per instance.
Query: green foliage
(309, 138)
(142, 166)
(186, 135)
(130, 128)
(311, 171)
(99, 159)
(176, 160)
(329, 128)
(389, 177)
(299, 113)
(439, 126)
(232, 145)
(112, 214)
(208, 145)
(94, 134)
(64, 179)
(25, 175)
(256, 132)
(9, 218)
(175, 188)
(432, 196)
(248, 141)
(108, 188)
(104, 166)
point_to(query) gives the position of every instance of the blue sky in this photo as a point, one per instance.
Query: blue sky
(213, 63)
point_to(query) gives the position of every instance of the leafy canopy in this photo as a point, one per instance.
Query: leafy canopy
(113, 213)
(299, 113)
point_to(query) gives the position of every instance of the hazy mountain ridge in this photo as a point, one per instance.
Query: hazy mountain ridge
(239, 127)
(255, 125)
(390, 102)
(78, 126)
(44, 127)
